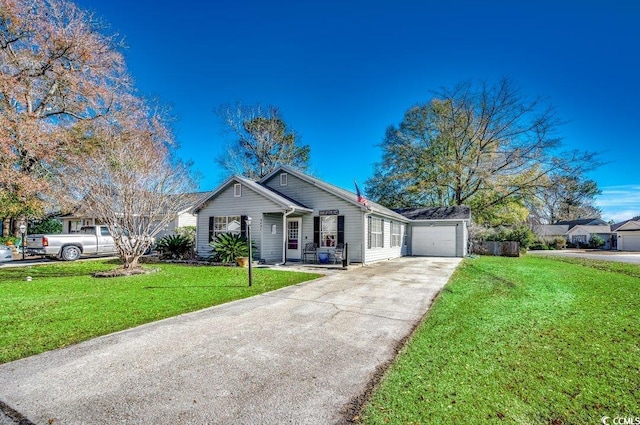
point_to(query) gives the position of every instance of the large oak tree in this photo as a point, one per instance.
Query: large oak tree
(486, 146)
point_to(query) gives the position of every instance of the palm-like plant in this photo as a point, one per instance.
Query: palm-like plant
(175, 247)
(228, 247)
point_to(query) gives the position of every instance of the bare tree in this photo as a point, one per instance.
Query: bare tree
(262, 142)
(128, 178)
(57, 70)
(487, 147)
(566, 197)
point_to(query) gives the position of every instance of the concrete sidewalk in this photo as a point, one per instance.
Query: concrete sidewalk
(299, 355)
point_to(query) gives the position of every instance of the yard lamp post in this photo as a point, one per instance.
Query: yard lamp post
(23, 230)
(250, 250)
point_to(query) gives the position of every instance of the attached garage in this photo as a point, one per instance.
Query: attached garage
(629, 242)
(438, 231)
(434, 241)
(628, 233)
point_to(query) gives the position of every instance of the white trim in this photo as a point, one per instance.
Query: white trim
(237, 190)
(283, 179)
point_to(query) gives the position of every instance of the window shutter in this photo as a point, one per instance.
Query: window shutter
(382, 230)
(340, 229)
(210, 229)
(369, 231)
(243, 225)
(316, 230)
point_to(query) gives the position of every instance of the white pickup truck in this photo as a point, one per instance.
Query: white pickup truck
(92, 240)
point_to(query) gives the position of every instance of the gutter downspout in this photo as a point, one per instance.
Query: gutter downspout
(284, 234)
(364, 238)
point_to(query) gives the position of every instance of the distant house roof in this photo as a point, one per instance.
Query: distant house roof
(591, 229)
(550, 229)
(616, 226)
(582, 222)
(459, 212)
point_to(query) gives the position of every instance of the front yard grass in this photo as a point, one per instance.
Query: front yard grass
(529, 341)
(64, 305)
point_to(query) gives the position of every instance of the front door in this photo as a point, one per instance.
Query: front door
(294, 244)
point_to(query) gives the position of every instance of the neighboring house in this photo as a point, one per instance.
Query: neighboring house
(186, 217)
(73, 222)
(290, 209)
(578, 232)
(628, 234)
(550, 232)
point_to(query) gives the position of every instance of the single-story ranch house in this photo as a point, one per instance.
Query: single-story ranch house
(628, 234)
(578, 232)
(290, 209)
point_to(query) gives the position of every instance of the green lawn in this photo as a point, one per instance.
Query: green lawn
(529, 341)
(64, 304)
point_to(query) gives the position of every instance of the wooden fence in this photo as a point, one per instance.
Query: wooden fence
(500, 249)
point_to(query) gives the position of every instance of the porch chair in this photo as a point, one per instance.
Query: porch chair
(310, 249)
(338, 253)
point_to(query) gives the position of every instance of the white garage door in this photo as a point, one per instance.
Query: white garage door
(436, 241)
(631, 243)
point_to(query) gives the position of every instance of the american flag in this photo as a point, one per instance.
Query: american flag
(361, 199)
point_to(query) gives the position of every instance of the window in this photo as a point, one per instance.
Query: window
(376, 235)
(224, 224)
(283, 179)
(395, 234)
(75, 226)
(237, 190)
(328, 230)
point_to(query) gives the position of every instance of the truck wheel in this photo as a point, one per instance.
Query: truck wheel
(70, 253)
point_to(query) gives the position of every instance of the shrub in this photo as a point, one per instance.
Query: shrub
(188, 232)
(176, 247)
(596, 241)
(47, 226)
(522, 234)
(559, 243)
(229, 246)
(539, 245)
(9, 240)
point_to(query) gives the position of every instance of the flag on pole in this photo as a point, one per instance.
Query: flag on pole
(361, 199)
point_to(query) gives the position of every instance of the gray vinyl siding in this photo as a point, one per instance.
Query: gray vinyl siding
(272, 244)
(225, 204)
(461, 233)
(319, 199)
(386, 252)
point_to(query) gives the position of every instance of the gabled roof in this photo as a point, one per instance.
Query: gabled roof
(590, 229)
(458, 212)
(346, 195)
(277, 198)
(616, 226)
(583, 222)
(550, 229)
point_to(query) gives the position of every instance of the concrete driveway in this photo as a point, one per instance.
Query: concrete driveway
(617, 256)
(305, 354)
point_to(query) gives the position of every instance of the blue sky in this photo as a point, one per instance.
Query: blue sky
(342, 71)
